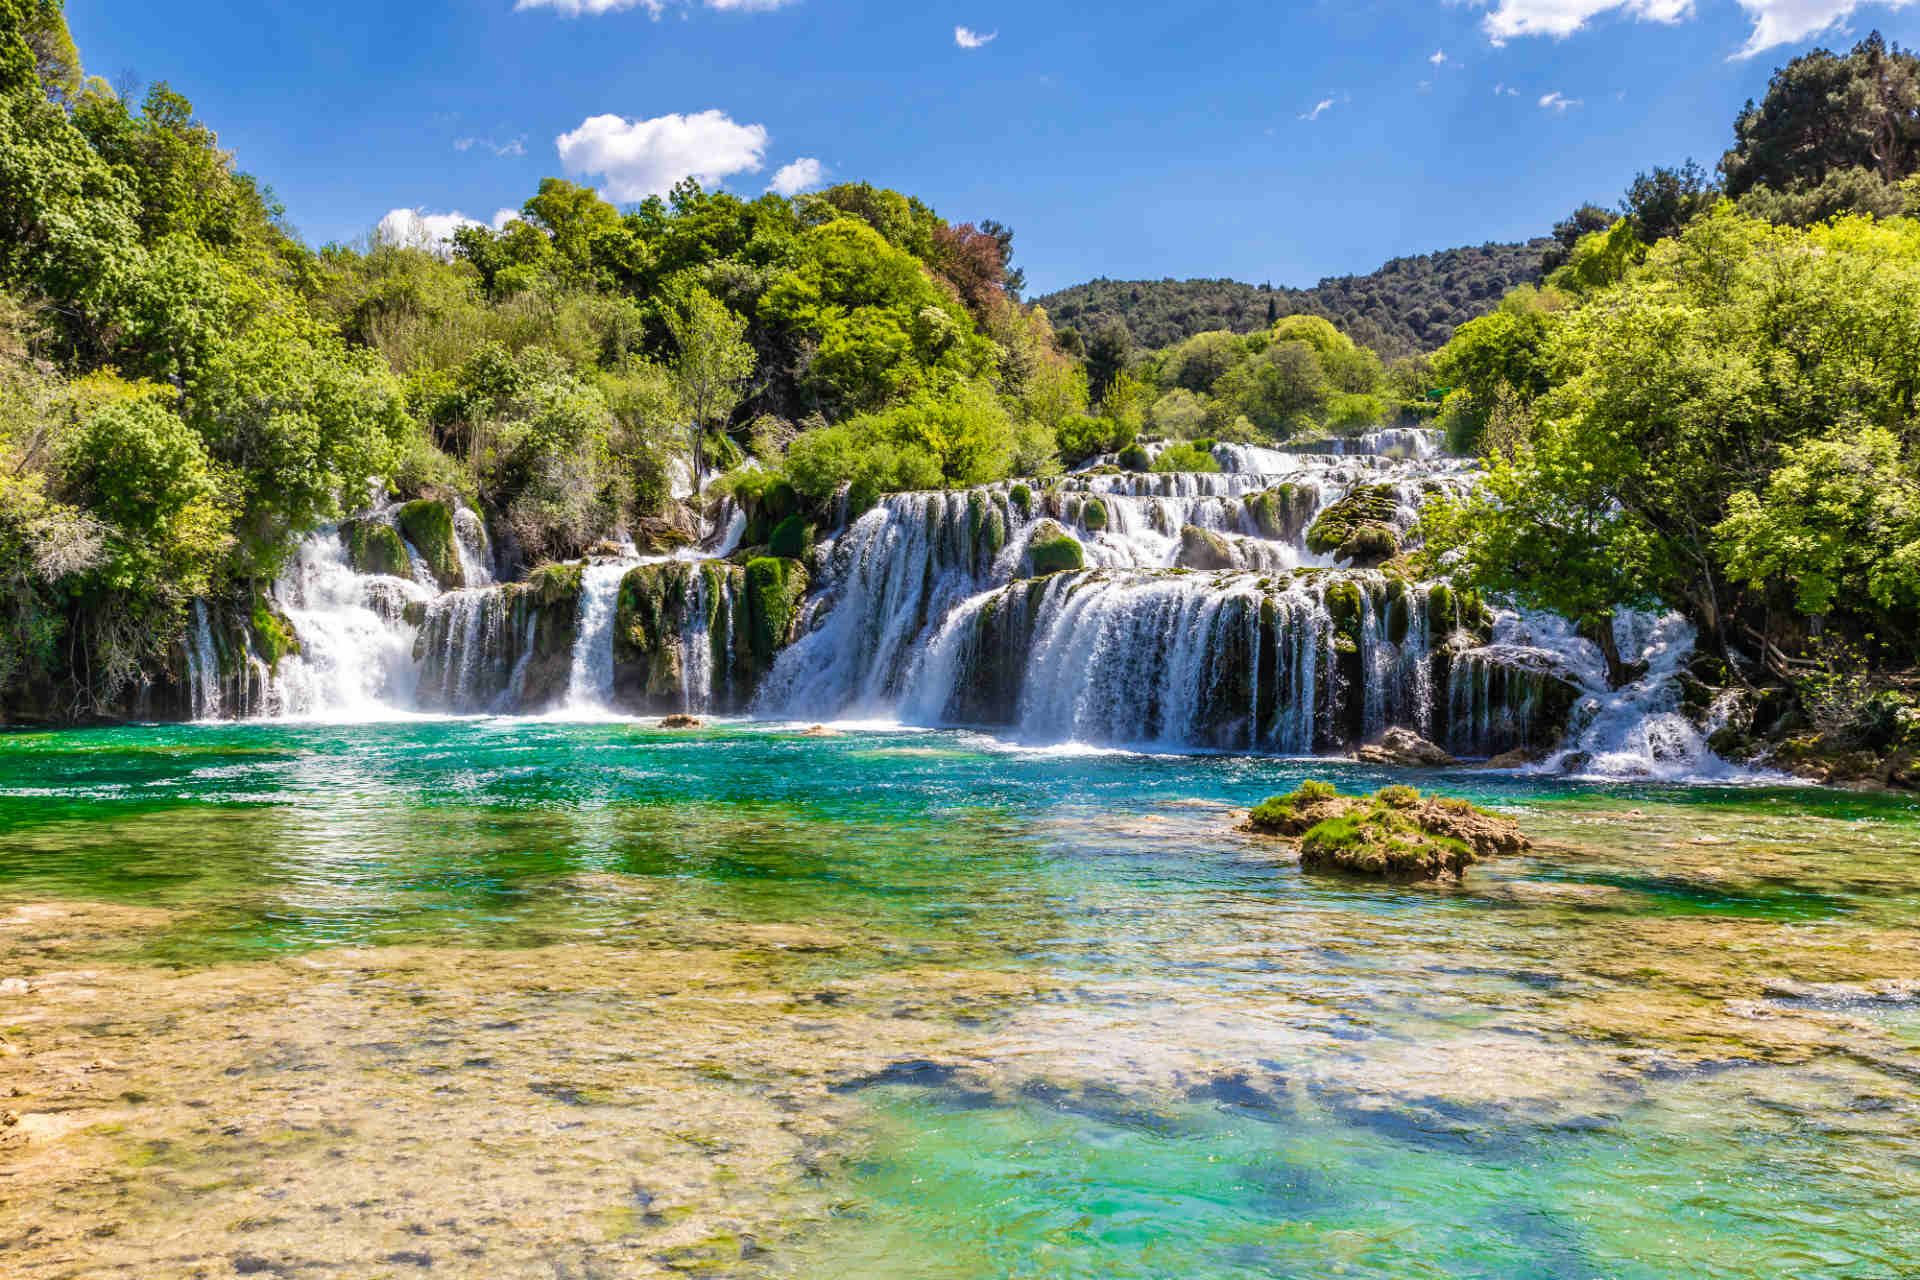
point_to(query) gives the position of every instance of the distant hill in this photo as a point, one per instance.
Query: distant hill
(1410, 305)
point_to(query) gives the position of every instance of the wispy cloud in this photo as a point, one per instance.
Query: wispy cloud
(641, 158)
(1320, 108)
(1775, 22)
(801, 175)
(1557, 101)
(511, 147)
(592, 8)
(968, 38)
(1439, 58)
(1505, 91)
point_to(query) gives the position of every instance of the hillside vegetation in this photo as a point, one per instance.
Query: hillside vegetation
(1407, 306)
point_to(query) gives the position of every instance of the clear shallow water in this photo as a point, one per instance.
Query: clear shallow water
(526, 997)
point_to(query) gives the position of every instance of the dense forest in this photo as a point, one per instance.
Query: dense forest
(1407, 306)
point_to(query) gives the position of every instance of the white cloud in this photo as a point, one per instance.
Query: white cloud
(641, 158)
(792, 179)
(1561, 18)
(968, 38)
(1439, 58)
(1505, 91)
(1775, 22)
(593, 8)
(418, 229)
(1320, 108)
(1557, 101)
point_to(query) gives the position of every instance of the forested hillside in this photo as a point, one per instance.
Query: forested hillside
(1409, 305)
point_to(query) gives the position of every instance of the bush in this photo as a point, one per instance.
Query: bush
(792, 538)
(1135, 458)
(1186, 457)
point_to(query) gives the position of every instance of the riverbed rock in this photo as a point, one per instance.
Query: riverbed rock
(1404, 749)
(1203, 549)
(1396, 834)
(681, 722)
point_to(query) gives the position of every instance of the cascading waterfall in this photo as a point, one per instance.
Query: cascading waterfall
(1201, 620)
(356, 651)
(590, 681)
(203, 666)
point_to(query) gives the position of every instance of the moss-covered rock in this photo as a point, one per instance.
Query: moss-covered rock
(1359, 527)
(1346, 609)
(1053, 550)
(375, 547)
(273, 635)
(1203, 549)
(1282, 512)
(1021, 497)
(428, 525)
(550, 584)
(791, 539)
(1135, 458)
(650, 614)
(1395, 834)
(1093, 515)
(774, 590)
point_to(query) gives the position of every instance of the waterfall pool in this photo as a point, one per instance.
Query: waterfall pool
(491, 997)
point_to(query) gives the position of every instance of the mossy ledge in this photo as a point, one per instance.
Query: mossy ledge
(429, 527)
(1395, 834)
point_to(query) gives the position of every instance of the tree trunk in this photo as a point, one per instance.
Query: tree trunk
(1601, 633)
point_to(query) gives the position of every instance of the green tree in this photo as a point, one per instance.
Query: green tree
(711, 371)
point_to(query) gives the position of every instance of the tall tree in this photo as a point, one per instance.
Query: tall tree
(711, 370)
(1824, 114)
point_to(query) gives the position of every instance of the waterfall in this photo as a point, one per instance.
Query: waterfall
(356, 649)
(471, 545)
(203, 666)
(590, 681)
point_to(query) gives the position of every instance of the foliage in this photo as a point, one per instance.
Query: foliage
(1825, 114)
(1407, 306)
(1186, 457)
(1838, 522)
(1738, 350)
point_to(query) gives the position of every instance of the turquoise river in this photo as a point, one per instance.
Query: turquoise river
(508, 997)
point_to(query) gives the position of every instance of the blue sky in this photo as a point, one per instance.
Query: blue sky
(1279, 142)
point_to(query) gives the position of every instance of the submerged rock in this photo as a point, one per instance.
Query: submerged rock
(1203, 549)
(1395, 834)
(1404, 749)
(681, 722)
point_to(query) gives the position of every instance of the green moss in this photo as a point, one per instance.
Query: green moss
(1021, 497)
(1394, 834)
(1135, 458)
(1359, 527)
(1282, 815)
(428, 525)
(774, 589)
(1057, 553)
(1093, 515)
(549, 584)
(1346, 609)
(375, 547)
(273, 635)
(791, 539)
(1280, 513)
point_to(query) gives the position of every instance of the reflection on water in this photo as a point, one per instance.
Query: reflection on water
(508, 997)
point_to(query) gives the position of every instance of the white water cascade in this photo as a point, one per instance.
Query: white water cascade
(590, 681)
